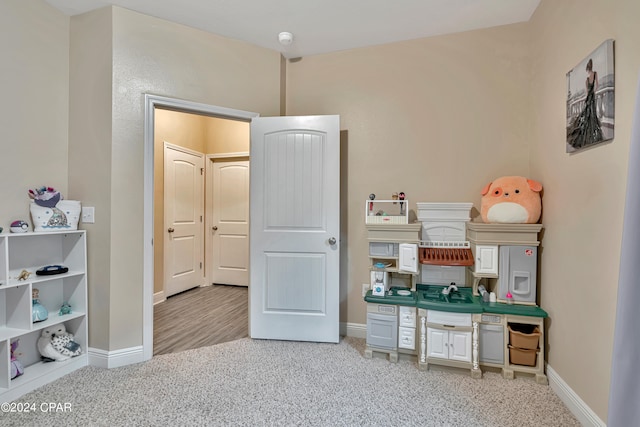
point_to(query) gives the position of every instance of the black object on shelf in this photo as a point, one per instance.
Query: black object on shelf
(51, 270)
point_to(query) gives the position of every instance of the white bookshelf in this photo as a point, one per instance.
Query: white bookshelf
(31, 251)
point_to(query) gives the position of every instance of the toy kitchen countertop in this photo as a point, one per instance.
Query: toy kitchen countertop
(515, 309)
(395, 296)
(462, 301)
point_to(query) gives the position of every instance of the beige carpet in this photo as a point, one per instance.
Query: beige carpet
(276, 383)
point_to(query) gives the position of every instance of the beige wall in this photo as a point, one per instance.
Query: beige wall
(34, 114)
(584, 192)
(204, 134)
(90, 117)
(227, 136)
(150, 55)
(436, 118)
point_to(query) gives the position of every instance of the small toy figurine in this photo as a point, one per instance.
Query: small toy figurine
(372, 197)
(24, 275)
(16, 367)
(64, 309)
(38, 311)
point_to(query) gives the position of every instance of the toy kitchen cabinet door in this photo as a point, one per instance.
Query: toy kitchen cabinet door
(295, 228)
(408, 257)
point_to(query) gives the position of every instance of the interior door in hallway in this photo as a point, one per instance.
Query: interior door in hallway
(230, 222)
(295, 227)
(183, 219)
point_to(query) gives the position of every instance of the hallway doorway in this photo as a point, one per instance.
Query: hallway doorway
(155, 108)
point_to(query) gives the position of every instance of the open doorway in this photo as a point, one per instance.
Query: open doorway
(216, 127)
(195, 264)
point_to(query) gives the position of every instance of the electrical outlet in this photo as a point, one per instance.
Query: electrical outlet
(88, 215)
(365, 288)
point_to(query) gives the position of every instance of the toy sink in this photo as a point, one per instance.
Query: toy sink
(454, 297)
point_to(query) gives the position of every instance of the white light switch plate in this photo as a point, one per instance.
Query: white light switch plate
(88, 214)
(365, 288)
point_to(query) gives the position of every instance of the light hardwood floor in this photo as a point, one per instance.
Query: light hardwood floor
(200, 317)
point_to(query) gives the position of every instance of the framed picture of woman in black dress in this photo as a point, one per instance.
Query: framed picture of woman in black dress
(590, 99)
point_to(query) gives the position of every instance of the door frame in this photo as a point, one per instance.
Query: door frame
(208, 217)
(151, 102)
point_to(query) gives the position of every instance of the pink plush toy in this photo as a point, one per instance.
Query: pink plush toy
(511, 199)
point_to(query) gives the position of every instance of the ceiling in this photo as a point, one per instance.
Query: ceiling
(322, 26)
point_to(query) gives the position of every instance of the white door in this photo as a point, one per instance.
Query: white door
(183, 219)
(295, 227)
(230, 222)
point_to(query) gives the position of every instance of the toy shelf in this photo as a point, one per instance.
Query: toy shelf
(31, 251)
(386, 212)
(34, 280)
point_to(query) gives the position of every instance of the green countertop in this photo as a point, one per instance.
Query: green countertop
(393, 299)
(514, 309)
(473, 304)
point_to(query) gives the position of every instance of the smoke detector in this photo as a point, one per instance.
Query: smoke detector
(285, 38)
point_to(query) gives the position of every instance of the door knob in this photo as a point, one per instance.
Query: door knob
(171, 230)
(214, 228)
(332, 240)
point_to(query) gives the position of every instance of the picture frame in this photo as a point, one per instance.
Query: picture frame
(590, 117)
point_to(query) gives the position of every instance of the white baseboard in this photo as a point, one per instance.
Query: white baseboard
(115, 359)
(128, 356)
(577, 406)
(158, 297)
(356, 330)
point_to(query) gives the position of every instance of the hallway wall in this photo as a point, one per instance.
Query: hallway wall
(147, 55)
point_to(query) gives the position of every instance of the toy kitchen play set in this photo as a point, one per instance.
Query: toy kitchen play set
(456, 292)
